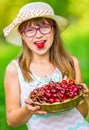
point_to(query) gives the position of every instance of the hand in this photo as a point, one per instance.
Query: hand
(34, 109)
(85, 90)
(85, 93)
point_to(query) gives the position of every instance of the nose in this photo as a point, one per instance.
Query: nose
(38, 33)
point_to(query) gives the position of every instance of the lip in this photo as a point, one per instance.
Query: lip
(41, 41)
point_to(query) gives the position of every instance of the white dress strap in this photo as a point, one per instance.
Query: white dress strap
(22, 82)
(20, 75)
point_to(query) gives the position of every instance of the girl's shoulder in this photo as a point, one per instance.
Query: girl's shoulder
(11, 68)
(75, 60)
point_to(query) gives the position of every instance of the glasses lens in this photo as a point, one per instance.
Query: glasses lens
(30, 32)
(45, 29)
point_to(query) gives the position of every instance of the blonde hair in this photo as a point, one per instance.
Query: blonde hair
(59, 57)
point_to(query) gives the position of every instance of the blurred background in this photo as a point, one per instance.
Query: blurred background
(75, 38)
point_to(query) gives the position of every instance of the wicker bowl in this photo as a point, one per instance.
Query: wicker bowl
(59, 106)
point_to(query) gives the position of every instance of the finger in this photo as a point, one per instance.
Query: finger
(40, 112)
(85, 95)
(85, 87)
(81, 102)
(27, 102)
(33, 108)
(86, 90)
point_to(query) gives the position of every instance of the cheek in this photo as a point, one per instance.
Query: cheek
(51, 38)
(28, 41)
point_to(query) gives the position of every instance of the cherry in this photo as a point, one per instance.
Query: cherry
(64, 82)
(61, 95)
(47, 91)
(35, 91)
(75, 89)
(65, 97)
(57, 100)
(54, 95)
(71, 94)
(63, 90)
(48, 95)
(45, 99)
(40, 45)
(71, 82)
(53, 90)
(34, 99)
(80, 86)
(57, 87)
(52, 100)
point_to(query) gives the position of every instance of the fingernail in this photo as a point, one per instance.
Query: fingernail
(38, 107)
(45, 113)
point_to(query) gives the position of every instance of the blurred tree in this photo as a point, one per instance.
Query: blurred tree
(79, 10)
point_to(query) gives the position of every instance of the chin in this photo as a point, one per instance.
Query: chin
(42, 52)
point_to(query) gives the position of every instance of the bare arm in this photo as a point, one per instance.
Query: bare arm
(16, 115)
(83, 107)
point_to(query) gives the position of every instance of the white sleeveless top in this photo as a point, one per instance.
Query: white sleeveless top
(67, 120)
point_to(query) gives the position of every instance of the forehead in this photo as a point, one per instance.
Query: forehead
(38, 21)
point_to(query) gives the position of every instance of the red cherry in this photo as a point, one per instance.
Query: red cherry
(53, 90)
(71, 81)
(57, 87)
(35, 91)
(57, 100)
(61, 95)
(48, 95)
(40, 45)
(34, 99)
(47, 91)
(75, 89)
(64, 82)
(54, 95)
(64, 98)
(51, 100)
(45, 99)
(63, 90)
(71, 94)
(80, 87)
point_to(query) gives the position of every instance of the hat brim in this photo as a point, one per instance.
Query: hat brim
(15, 38)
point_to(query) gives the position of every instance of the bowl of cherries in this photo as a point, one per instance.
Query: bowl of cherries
(57, 96)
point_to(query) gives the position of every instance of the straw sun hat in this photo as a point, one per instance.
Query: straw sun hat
(29, 11)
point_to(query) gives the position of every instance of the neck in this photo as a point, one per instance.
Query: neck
(38, 59)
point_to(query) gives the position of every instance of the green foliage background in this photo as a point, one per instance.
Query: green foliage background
(75, 37)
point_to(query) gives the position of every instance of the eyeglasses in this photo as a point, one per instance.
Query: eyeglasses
(31, 31)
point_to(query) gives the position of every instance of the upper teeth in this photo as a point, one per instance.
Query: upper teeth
(39, 42)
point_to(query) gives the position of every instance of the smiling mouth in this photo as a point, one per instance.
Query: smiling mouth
(40, 44)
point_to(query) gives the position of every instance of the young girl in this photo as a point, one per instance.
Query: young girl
(37, 29)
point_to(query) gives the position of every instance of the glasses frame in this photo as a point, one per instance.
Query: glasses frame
(37, 28)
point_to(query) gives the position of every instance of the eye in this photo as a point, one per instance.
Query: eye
(30, 30)
(46, 26)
